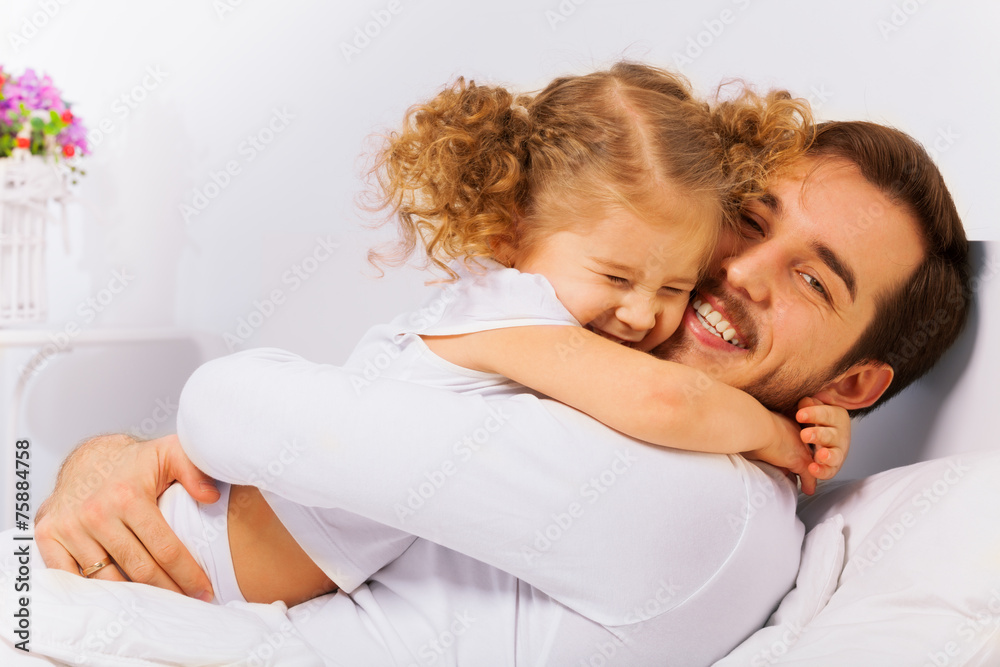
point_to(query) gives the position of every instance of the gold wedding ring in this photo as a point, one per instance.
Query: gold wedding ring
(99, 565)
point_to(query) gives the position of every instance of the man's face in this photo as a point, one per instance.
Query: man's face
(801, 285)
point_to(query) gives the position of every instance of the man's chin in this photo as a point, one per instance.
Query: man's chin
(779, 390)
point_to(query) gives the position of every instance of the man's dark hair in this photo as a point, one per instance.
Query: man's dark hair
(916, 322)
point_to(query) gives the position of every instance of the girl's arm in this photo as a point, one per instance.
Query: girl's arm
(661, 402)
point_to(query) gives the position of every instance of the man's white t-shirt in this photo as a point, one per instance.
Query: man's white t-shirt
(545, 537)
(486, 296)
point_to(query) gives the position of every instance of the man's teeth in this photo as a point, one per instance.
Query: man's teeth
(712, 320)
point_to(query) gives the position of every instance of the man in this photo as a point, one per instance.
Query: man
(570, 543)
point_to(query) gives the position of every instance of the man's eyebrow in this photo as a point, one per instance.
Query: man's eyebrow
(838, 266)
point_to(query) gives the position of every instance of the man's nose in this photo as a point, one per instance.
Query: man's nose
(751, 270)
(637, 311)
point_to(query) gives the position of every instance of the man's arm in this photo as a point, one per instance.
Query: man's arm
(534, 488)
(104, 503)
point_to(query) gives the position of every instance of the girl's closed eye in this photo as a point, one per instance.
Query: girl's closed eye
(750, 226)
(618, 280)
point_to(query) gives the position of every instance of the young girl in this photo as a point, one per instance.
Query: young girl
(605, 194)
(576, 224)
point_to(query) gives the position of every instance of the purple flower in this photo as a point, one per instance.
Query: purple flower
(38, 94)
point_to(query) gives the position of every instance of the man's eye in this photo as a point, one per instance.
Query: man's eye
(813, 283)
(617, 280)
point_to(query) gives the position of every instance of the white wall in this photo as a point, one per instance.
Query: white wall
(225, 68)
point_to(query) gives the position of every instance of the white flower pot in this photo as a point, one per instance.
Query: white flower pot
(28, 186)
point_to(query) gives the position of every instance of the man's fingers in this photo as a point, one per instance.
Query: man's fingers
(56, 556)
(178, 466)
(136, 562)
(75, 552)
(93, 554)
(173, 561)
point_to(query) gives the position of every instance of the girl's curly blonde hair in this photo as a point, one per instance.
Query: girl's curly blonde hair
(471, 169)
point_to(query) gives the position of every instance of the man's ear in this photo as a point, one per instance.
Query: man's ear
(858, 387)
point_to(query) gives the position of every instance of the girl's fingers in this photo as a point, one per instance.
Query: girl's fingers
(807, 402)
(827, 415)
(820, 471)
(821, 436)
(827, 463)
(830, 456)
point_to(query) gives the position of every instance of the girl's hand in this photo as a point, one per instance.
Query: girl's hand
(829, 431)
(787, 451)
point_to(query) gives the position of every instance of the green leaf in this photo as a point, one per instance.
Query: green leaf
(37, 124)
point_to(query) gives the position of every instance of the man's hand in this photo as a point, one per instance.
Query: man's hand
(829, 431)
(104, 504)
(789, 453)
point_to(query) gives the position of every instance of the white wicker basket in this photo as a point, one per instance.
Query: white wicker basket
(27, 187)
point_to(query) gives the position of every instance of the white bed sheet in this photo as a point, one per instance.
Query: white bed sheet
(79, 621)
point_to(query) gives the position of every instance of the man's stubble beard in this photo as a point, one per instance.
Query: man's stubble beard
(779, 390)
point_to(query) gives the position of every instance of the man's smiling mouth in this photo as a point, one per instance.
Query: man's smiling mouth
(714, 322)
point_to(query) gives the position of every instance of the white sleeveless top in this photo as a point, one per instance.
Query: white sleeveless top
(493, 298)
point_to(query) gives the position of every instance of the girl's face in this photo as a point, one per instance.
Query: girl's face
(622, 277)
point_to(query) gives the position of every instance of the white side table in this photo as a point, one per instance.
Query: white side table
(42, 339)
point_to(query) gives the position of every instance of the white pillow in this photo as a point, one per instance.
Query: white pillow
(921, 581)
(819, 569)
